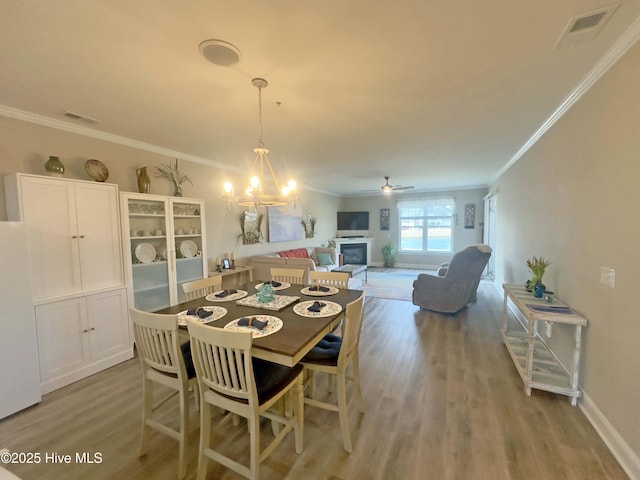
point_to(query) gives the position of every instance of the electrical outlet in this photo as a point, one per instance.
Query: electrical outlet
(607, 276)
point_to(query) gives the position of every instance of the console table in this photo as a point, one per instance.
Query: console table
(236, 276)
(537, 364)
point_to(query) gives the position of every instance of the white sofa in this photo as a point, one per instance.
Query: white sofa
(301, 258)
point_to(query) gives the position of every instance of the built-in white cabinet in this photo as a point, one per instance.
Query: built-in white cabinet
(164, 245)
(73, 233)
(76, 272)
(81, 336)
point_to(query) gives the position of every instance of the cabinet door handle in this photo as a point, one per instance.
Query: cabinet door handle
(85, 331)
(81, 236)
(92, 329)
(74, 236)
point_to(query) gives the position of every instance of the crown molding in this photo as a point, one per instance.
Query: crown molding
(108, 137)
(619, 48)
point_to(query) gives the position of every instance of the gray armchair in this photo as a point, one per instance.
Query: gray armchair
(458, 286)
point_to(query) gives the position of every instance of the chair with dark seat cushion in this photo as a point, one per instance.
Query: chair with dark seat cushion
(334, 355)
(229, 378)
(163, 362)
(459, 285)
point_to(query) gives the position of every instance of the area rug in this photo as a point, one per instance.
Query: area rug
(396, 284)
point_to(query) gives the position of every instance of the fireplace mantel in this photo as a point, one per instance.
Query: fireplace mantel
(367, 240)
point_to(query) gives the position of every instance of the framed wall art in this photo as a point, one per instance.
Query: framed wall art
(384, 219)
(285, 223)
(469, 215)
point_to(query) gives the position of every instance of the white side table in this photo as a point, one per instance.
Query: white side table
(537, 364)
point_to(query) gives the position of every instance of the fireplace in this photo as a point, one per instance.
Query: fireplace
(354, 253)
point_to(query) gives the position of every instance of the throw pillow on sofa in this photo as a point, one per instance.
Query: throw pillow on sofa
(324, 259)
(295, 253)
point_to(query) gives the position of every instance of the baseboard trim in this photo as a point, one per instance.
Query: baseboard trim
(626, 457)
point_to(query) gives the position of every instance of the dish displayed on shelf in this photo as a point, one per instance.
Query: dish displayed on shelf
(188, 248)
(96, 170)
(274, 324)
(328, 309)
(282, 286)
(145, 252)
(227, 298)
(319, 292)
(216, 313)
(163, 253)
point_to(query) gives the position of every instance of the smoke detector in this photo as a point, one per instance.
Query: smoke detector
(586, 27)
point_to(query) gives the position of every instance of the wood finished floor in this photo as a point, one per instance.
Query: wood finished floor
(443, 401)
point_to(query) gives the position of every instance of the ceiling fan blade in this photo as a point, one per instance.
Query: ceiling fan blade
(403, 188)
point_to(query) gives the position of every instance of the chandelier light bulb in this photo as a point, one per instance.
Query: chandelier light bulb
(255, 181)
(292, 185)
(285, 191)
(228, 187)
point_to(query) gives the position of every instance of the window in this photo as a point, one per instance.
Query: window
(426, 225)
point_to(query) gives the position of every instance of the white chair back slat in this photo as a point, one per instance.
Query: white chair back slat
(293, 276)
(221, 364)
(330, 279)
(201, 288)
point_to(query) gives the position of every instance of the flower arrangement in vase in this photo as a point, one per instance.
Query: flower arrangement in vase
(537, 267)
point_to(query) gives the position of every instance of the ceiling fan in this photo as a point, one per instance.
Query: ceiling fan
(388, 188)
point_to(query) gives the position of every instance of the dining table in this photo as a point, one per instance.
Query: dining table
(299, 332)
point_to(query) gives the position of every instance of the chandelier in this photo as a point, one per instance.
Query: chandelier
(258, 192)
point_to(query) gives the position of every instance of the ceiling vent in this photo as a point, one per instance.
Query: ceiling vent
(80, 118)
(586, 27)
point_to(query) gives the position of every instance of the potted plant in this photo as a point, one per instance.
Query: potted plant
(389, 252)
(537, 267)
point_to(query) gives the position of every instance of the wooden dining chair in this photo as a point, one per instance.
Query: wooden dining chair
(293, 276)
(163, 362)
(230, 379)
(333, 355)
(330, 279)
(202, 288)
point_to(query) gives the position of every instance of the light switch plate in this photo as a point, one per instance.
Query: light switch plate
(607, 276)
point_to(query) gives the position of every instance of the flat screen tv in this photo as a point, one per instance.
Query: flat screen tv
(353, 220)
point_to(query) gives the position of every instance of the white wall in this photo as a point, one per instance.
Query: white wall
(573, 198)
(25, 147)
(461, 236)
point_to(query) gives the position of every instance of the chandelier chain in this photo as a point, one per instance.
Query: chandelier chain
(260, 142)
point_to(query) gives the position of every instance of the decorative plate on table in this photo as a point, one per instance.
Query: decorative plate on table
(145, 252)
(281, 287)
(273, 326)
(329, 309)
(96, 170)
(188, 248)
(230, 297)
(218, 312)
(319, 293)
